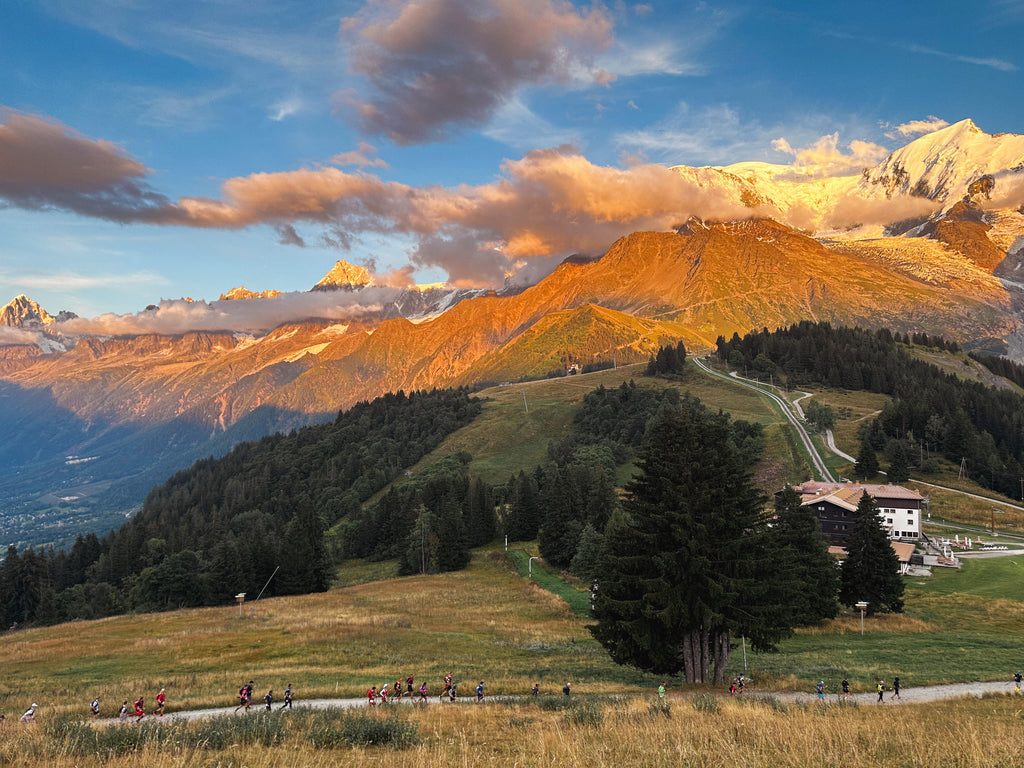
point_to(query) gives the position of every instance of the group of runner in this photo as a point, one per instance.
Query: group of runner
(383, 694)
(137, 709)
(880, 688)
(245, 697)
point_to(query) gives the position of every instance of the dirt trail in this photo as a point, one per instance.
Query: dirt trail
(908, 695)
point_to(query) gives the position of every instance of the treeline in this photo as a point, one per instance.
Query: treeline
(1002, 366)
(929, 410)
(224, 526)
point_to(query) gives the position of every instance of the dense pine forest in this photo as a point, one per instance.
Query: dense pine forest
(930, 410)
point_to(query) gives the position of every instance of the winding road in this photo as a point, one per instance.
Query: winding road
(787, 410)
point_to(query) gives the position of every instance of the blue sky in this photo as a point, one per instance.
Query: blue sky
(151, 150)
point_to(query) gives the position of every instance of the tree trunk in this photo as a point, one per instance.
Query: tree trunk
(705, 656)
(721, 656)
(688, 665)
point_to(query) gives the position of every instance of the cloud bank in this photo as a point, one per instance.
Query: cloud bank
(436, 65)
(548, 204)
(178, 316)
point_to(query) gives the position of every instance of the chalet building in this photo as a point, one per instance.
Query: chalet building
(835, 505)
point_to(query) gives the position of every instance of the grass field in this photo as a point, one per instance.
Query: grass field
(491, 623)
(603, 733)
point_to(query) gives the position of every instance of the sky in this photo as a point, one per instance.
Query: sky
(153, 150)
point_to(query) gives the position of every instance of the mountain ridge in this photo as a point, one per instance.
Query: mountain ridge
(955, 273)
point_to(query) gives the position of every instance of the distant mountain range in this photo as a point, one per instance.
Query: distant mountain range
(94, 417)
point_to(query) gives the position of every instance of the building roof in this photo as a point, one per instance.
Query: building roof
(903, 551)
(847, 495)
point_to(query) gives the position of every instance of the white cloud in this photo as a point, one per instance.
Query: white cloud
(999, 64)
(519, 127)
(178, 316)
(916, 128)
(73, 281)
(285, 108)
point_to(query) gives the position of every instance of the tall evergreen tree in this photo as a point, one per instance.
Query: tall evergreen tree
(867, 462)
(899, 469)
(686, 556)
(871, 570)
(807, 575)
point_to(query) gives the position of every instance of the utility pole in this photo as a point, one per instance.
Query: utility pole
(525, 406)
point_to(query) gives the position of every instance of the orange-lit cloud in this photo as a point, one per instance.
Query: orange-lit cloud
(362, 157)
(825, 159)
(437, 65)
(546, 205)
(46, 165)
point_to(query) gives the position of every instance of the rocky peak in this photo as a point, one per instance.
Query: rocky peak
(344, 276)
(241, 292)
(22, 312)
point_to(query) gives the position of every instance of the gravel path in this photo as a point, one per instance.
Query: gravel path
(908, 695)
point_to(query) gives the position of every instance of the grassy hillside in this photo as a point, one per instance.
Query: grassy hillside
(510, 435)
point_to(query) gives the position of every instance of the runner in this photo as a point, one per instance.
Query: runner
(287, 697)
(95, 707)
(661, 690)
(30, 713)
(268, 699)
(245, 696)
(881, 690)
(1016, 682)
(423, 692)
(397, 690)
(371, 696)
(846, 688)
(535, 691)
(447, 686)
(123, 714)
(408, 686)
(160, 698)
(452, 694)
(820, 690)
(480, 692)
(384, 694)
(140, 709)
(896, 687)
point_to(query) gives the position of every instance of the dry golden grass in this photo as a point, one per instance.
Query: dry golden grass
(719, 733)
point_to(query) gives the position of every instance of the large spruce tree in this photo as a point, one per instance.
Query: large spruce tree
(871, 570)
(686, 556)
(805, 574)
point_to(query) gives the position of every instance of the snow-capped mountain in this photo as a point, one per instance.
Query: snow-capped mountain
(955, 163)
(22, 312)
(344, 276)
(922, 180)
